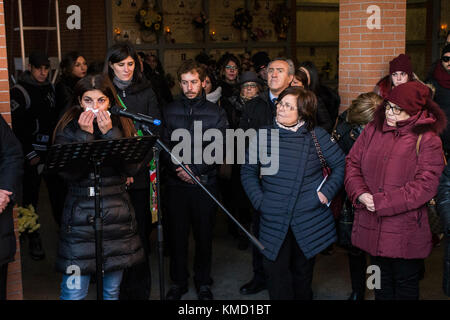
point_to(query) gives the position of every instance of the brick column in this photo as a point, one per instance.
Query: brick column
(364, 53)
(14, 287)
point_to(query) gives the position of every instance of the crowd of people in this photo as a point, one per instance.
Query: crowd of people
(380, 161)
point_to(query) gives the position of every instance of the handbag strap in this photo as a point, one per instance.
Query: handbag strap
(418, 147)
(323, 162)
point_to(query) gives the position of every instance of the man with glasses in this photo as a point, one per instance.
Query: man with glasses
(34, 116)
(440, 79)
(280, 73)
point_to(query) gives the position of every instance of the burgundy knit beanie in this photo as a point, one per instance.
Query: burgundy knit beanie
(401, 63)
(410, 96)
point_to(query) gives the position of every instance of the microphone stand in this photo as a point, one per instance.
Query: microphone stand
(157, 149)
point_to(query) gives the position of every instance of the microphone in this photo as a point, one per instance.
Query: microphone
(116, 110)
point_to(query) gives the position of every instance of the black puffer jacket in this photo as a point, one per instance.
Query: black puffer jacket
(256, 113)
(140, 98)
(181, 114)
(443, 206)
(121, 244)
(34, 114)
(11, 170)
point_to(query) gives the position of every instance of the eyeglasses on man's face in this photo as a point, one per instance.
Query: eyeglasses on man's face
(445, 58)
(395, 109)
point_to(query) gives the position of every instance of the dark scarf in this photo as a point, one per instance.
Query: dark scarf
(122, 85)
(442, 76)
(197, 101)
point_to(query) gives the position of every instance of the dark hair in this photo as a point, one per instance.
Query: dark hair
(212, 78)
(96, 67)
(68, 62)
(306, 104)
(314, 80)
(190, 66)
(300, 75)
(223, 61)
(102, 83)
(159, 68)
(142, 55)
(119, 52)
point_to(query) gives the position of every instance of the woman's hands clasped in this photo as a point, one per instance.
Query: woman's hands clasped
(367, 200)
(86, 121)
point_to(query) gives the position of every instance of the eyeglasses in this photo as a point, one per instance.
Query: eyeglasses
(231, 67)
(249, 86)
(88, 102)
(395, 110)
(445, 58)
(285, 105)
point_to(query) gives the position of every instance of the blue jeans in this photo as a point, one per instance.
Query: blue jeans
(111, 286)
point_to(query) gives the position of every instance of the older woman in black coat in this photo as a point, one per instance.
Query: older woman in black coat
(296, 223)
(11, 171)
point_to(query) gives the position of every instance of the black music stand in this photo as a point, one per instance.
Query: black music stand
(95, 154)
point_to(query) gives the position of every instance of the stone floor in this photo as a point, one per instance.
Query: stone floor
(231, 268)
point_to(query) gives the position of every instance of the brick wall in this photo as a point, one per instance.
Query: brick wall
(364, 54)
(14, 288)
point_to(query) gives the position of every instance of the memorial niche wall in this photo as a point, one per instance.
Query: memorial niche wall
(179, 38)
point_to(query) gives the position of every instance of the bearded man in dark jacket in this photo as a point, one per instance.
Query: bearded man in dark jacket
(11, 170)
(187, 203)
(34, 116)
(439, 78)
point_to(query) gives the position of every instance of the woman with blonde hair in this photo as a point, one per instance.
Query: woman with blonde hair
(350, 125)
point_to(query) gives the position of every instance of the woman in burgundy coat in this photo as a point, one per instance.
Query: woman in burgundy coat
(389, 184)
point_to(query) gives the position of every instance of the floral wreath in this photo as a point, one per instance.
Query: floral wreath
(242, 19)
(148, 18)
(280, 17)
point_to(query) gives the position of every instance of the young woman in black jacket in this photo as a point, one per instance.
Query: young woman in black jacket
(328, 100)
(73, 67)
(88, 121)
(134, 90)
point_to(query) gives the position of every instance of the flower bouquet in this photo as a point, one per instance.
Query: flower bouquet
(27, 220)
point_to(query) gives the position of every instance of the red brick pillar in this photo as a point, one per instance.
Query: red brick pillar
(365, 51)
(14, 289)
